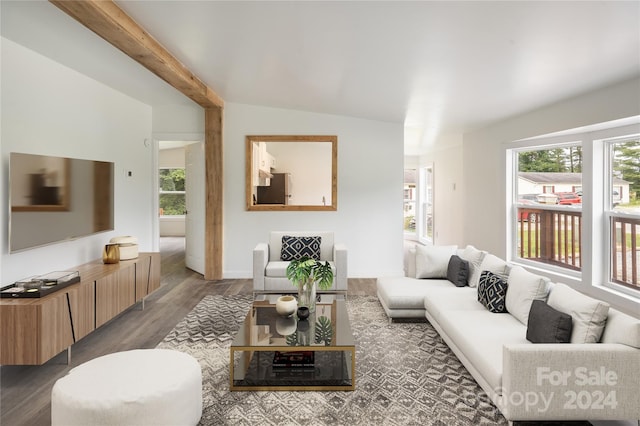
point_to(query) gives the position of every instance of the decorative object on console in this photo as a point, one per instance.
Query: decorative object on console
(111, 253)
(286, 306)
(305, 273)
(41, 285)
(128, 246)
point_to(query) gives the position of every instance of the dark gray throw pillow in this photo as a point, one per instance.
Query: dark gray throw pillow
(458, 271)
(547, 325)
(293, 248)
(492, 292)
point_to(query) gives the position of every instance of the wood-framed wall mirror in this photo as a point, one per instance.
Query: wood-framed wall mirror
(291, 173)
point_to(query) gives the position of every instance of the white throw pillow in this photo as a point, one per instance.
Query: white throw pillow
(524, 287)
(490, 263)
(474, 257)
(432, 261)
(589, 315)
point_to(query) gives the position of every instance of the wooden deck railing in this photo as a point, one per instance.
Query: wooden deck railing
(625, 262)
(555, 237)
(550, 236)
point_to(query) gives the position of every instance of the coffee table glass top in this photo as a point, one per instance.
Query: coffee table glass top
(271, 352)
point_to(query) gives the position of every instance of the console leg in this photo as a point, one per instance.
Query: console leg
(69, 355)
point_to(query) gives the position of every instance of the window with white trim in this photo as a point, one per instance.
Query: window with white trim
(426, 204)
(547, 211)
(622, 211)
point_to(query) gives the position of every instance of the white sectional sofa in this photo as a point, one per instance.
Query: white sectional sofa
(525, 380)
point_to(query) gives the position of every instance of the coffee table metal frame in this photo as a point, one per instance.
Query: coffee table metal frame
(343, 342)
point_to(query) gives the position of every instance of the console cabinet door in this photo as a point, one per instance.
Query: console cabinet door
(114, 294)
(83, 309)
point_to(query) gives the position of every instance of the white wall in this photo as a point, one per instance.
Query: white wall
(448, 190)
(370, 174)
(53, 110)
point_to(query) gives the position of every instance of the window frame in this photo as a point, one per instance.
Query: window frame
(514, 205)
(609, 213)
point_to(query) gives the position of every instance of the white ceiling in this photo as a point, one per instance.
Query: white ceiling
(440, 68)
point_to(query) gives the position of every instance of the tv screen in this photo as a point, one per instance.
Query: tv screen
(55, 199)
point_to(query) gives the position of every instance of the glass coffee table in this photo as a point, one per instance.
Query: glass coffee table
(275, 353)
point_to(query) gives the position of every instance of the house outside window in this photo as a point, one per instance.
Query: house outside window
(172, 192)
(548, 213)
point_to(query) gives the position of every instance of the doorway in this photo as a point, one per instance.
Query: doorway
(181, 207)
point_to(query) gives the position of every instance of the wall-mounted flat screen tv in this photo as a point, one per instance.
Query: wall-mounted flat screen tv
(55, 199)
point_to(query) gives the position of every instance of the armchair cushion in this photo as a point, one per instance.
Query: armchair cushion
(293, 248)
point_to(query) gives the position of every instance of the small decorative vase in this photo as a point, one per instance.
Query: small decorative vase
(111, 253)
(307, 295)
(286, 306)
(303, 313)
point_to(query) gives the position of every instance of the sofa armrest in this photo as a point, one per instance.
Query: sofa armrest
(340, 259)
(260, 259)
(570, 381)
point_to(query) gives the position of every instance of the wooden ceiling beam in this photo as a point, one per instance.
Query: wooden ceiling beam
(106, 19)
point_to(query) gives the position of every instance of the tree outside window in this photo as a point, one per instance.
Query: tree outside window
(172, 192)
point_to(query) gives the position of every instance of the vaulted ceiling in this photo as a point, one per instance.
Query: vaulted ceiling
(440, 68)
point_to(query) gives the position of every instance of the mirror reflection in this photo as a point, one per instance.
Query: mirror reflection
(291, 172)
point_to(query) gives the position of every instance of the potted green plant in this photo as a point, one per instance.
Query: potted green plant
(305, 273)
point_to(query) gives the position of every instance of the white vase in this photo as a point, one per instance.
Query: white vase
(286, 326)
(286, 305)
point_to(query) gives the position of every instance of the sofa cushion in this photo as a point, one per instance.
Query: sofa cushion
(279, 269)
(432, 261)
(294, 248)
(458, 271)
(480, 336)
(405, 292)
(474, 257)
(524, 288)
(443, 300)
(547, 325)
(621, 328)
(493, 264)
(492, 292)
(589, 315)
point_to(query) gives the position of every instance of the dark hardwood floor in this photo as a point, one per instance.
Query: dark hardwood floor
(25, 391)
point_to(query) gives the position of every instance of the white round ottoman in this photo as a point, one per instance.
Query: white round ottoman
(139, 387)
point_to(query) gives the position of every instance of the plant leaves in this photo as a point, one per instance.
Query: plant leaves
(324, 331)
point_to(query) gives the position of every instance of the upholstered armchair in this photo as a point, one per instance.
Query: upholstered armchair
(269, 268)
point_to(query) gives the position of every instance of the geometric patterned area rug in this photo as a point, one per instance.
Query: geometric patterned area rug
(405, 374)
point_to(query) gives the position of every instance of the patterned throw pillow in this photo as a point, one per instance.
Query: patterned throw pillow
(492, 292)
(294, 248)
